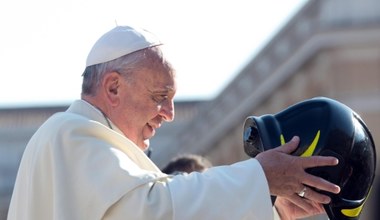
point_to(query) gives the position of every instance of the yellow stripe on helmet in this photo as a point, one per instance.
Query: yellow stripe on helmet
(310, 150)
(352, 212)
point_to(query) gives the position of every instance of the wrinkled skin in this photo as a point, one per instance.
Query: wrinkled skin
(137, 107)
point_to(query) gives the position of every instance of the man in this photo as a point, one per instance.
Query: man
(89, 162)
(187, 163)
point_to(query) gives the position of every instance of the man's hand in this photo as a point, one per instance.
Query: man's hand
(289, 211)
(287, 177)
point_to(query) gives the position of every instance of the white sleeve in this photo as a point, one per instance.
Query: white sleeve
(238, 191)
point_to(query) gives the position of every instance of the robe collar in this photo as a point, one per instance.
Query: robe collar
(84, 108)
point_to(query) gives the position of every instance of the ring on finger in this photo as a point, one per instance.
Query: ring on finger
(302, 193)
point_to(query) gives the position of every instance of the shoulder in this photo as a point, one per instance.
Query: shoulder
(66, 126)
(67, 120)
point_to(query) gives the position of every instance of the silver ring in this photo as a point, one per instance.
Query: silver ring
(302, 193)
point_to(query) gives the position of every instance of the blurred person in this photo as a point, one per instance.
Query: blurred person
(187, 163)
(89, 162)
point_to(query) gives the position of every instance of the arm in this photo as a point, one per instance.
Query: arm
(238, 191)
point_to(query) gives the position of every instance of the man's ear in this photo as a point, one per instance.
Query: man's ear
(111, 87)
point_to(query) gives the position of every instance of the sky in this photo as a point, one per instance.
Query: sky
(44, 43)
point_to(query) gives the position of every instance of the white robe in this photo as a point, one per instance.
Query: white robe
(76, 168)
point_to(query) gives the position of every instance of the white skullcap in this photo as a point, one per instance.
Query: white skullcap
(120, 41)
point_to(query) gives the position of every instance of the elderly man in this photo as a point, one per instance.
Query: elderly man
(89, 162)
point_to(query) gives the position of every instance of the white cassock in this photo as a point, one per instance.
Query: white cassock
(76, 168)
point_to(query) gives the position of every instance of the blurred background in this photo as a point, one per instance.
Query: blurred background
(313, 48)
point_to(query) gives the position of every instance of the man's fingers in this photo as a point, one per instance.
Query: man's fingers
(291, 146)
(312, 195)
(319, 161)
(320, 184)
(300, 202)
(315, 181)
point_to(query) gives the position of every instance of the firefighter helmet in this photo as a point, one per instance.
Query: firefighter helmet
(326, 127)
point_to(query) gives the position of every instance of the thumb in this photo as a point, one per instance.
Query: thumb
(290, 146)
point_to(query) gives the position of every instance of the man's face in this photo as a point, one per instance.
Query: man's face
(145, 103)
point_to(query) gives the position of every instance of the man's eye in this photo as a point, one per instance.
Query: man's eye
(160, 98)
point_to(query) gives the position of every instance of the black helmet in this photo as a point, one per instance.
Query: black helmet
(329, 128)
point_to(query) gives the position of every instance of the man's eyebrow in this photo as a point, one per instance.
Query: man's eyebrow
(168, 89)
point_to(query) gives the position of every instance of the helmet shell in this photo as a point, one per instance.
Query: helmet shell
(326, 127)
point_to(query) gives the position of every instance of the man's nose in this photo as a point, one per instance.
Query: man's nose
(167, 111)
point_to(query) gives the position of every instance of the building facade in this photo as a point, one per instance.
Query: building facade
(329, 48)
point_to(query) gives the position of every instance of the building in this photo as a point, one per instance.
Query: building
(329, 48)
